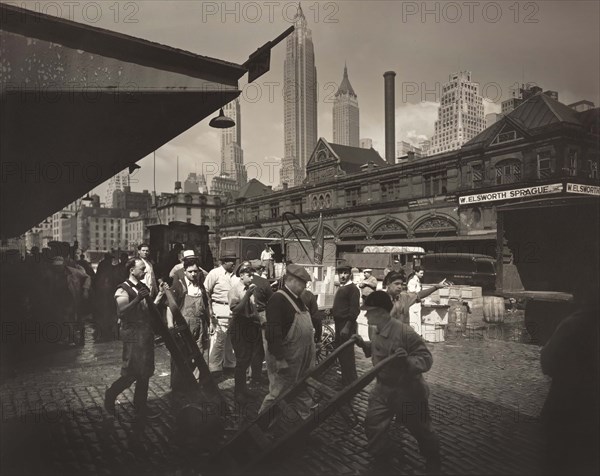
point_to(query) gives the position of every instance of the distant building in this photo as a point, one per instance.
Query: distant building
(425, 145)
(403, 148)
(510, 105)
(346, 114)
(132, 201)
(492, 118)
(137, 229)
(300, 102)
(366, 143)
(525, 92)
(117, 182)
(583, 105)
(232, 155)
(224, 185)
(460, 116)
(195, 208)
(195, 183)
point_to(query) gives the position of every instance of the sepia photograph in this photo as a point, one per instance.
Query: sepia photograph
(354, 237)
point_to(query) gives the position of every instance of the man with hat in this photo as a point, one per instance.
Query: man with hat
(290, 338)
(177, 270)
(245, 330)
(218, 283)
(345, 311)
(369, 284)
(192, 300)
(262, 294)
(403, 300)
(400, 390)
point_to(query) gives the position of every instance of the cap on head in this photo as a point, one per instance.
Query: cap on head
(378, 300)
(244, 269)
(367, 270)
(344, 268)
(298, 272)
(189, 254)
(228, 258)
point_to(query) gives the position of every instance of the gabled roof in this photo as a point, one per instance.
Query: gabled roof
(352, 158)
(530, 118)
(253, 188)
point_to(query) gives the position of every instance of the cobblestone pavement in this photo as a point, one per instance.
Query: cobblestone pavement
(486, 396)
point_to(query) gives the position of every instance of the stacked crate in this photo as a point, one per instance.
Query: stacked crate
(471, 295)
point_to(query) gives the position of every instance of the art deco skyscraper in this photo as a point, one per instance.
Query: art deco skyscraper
(345, 114)
(232, 155)
(460, 117)
(300, 102)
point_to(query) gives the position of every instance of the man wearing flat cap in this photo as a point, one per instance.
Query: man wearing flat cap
(345, 311)
(289, 335)
(218, 283)
(400, 390)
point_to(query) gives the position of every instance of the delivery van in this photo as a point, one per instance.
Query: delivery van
(460, 268)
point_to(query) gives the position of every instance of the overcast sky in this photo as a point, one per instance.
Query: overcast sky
(554, 44)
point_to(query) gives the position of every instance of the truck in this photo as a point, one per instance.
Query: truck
(249, 248)
(382, 259)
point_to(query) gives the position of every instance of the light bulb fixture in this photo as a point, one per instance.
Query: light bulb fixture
(221, 121)
(133, 168)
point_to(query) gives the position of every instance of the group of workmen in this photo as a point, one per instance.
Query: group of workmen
(239, 321)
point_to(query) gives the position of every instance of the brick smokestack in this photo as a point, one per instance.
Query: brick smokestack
(390, 116)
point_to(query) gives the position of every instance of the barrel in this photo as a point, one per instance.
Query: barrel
(493, 309)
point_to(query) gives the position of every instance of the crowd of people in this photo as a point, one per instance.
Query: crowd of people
(241, 320)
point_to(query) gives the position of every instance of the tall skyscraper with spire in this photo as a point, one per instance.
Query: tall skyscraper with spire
(232, 155)
(345, 114)
(460, 117)
(300, 102)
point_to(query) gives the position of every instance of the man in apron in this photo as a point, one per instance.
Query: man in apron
(289, 335)
(138, 340)
(192, 301)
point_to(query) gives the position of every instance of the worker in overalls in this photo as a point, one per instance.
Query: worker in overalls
(289, 334)
(192, 300)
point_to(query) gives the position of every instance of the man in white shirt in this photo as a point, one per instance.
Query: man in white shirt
(149, 279)
(218, 283)
(266, 258)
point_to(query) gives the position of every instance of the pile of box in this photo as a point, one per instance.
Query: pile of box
(469, 295)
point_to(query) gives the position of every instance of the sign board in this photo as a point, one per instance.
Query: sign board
(585, 189)
(511, 194)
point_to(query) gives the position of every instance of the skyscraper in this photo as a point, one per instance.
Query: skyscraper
(345, 114)
(460, 116)
(232, 155)
(117, 182)
(300, 102)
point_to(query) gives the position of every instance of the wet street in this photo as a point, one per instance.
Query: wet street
(486, 395)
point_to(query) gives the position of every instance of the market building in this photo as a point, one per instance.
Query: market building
(538, 149)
